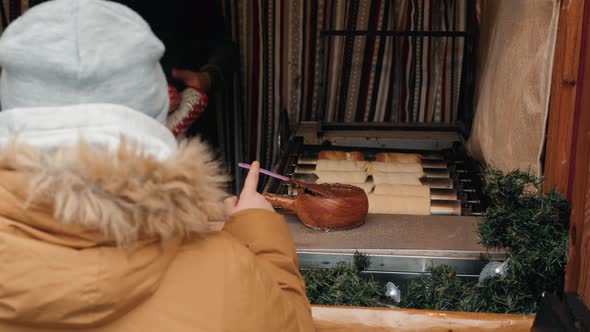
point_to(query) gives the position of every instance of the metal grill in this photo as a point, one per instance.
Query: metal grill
(453, 178)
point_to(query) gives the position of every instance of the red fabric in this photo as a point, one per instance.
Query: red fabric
(192, 104)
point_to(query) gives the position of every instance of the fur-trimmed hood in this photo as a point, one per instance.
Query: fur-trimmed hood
(124, 195)
(98, 226)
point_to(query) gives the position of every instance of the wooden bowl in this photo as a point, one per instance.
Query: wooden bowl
(326, 206)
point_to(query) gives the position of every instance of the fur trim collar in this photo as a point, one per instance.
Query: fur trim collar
(124, 194)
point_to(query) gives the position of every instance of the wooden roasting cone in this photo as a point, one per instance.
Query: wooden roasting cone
(326, 206)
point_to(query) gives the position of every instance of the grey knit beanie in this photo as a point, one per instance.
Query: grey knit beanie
(75, 52)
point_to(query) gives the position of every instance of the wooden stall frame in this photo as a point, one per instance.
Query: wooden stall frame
(567, 162)
(344, 319)
(564, 89)
(578, 274)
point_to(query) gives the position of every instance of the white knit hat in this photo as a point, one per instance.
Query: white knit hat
(70, 52)
(67, 53)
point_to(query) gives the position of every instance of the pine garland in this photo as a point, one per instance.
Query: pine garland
(441, 289)
(343, 284)
(529, 226)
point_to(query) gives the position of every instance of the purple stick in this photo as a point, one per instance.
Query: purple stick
(267, 172)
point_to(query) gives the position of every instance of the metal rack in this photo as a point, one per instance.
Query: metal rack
(461, 174)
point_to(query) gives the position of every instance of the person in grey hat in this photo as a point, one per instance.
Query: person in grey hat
(106, 223)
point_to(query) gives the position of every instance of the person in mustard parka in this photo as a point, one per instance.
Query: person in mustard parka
(105, 220)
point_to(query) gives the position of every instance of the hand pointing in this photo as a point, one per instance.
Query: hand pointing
(249, 197)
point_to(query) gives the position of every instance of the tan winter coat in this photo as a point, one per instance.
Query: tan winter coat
(98, 241)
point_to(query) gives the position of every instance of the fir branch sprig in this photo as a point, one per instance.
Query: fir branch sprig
(440, 289)
(531, 227)
(343, 284)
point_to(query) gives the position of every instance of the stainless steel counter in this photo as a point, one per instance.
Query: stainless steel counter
(401, 247)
